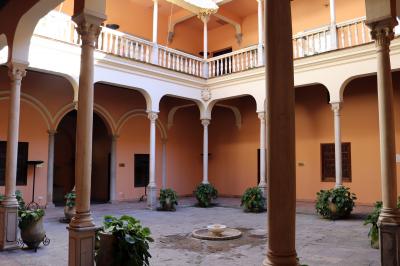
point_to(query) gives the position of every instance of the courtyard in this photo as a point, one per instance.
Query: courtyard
(319, 242)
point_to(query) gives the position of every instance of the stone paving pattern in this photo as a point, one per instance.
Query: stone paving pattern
(319, 242)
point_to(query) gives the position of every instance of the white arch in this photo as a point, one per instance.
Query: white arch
(3, 49)
(234, 109)
(140, 112)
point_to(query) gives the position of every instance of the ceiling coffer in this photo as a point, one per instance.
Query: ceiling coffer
(198, 6)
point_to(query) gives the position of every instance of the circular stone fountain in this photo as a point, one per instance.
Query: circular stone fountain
(216, 232)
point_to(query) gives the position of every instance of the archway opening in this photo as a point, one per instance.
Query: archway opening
(64, 159)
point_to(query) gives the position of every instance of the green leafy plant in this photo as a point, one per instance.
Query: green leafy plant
(70, 199)
(253, 200)
(372, 219)
(27, 217)
(133, 240)
(335, 203)
(205, 193)
(168, 199)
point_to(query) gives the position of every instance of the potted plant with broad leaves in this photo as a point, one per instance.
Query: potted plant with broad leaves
(69, 209)
(204, 194)
(372, 219)
(168, 199)
(336, 203)
(253, 200)
(31, 225)
(123, 241)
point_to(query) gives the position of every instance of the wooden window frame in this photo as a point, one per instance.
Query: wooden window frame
(346, 155)
(22, 163)
(136, 183)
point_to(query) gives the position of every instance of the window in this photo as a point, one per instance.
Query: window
(22, 163)
(142, 170)
(328, 162)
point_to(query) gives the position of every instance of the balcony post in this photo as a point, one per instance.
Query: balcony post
(205, 18)
(281, 168)
(260, 50)
(334, 40)
(154, 57)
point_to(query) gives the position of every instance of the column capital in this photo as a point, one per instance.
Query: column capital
(261, 115)
(336, 107)
(153, 116)
(205, 16)
(260, 1)
(114, 137)
(205, 122)
(16, 71)
(52, 132)
(382, 33)
(155, 2)
(88, 28)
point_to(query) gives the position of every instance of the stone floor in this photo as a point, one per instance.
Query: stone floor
(319, 242)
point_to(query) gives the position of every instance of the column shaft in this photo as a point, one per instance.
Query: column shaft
(155, 33)
(281, 135)
(113, 168)
(164, 164)
(205, 18)
(206, 123)
(334, 44)
(50, 169)
(263, 182)
(152, 187)
(338, 144)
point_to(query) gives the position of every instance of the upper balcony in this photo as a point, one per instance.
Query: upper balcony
(60, 27)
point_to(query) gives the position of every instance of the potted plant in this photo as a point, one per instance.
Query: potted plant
(69, 209)
(205, 193)
(31, 225)
(253, 200)
(123, 241)
(168, 199)
(336, 203)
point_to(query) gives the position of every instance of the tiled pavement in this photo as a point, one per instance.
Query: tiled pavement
(319, 242)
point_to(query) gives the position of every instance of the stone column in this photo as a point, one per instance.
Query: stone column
(164, 163)
(152, 187)
(260, 50)
(154, 58)
(9, 206)
(205, 123)
(50, 169)
(389, 218)
(338, 144)
(205, 18)
(334, 40)
(113, 168)
(82, 228)
(281, 170)
(263, 182)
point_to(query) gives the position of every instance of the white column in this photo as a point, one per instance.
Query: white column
(338, 144)
(154, 59)
(50, 169)
(8, 208)
(263, 182)
(260, 50)
(334, 43)
(164, 163)
(113, 168)
(152, 187)
(205, 18)
(205, 123)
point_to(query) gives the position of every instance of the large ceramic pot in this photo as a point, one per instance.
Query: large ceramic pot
(105, 254)
(69, 212)
(33, 234)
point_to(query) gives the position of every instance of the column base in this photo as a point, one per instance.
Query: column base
(152, 197)
(81, 246)
(279, 260)
(8, 227)
(389, 241)
(50, 205)
(263, 188)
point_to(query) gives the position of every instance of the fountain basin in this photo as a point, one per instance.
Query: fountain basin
(216, 232)
(216, 229)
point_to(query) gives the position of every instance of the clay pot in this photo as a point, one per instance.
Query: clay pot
(33, 234)
(105, 255)
(69, 212)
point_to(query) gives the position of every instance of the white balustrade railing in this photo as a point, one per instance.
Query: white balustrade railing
(59, 26)
(179, 61)
(124, 45)
(236, 61)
